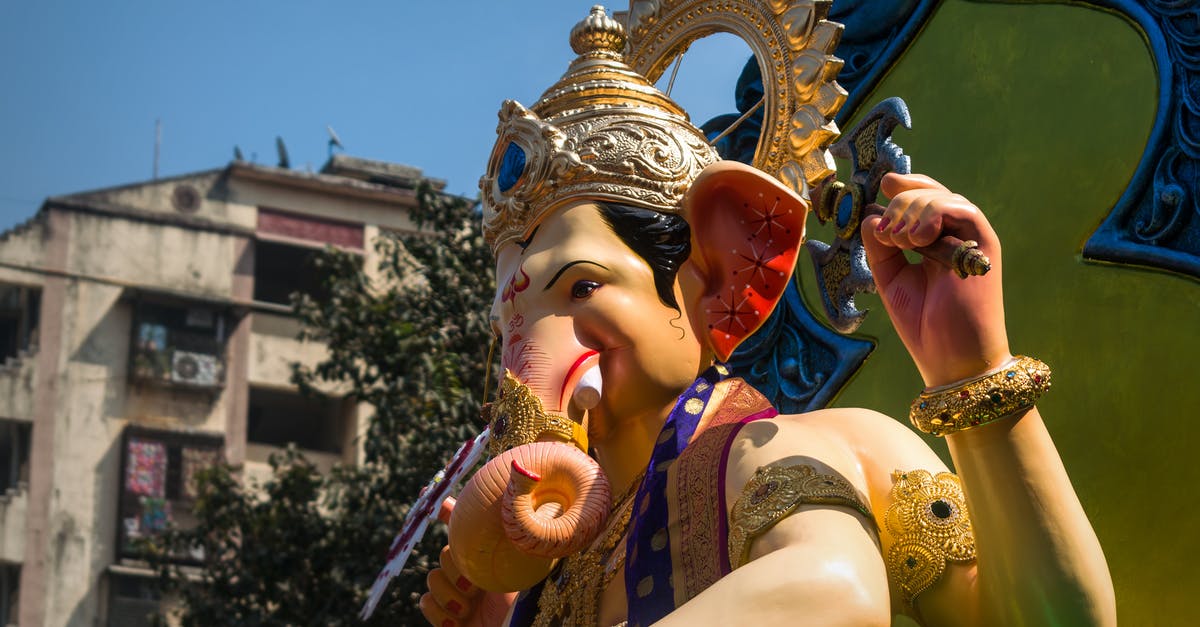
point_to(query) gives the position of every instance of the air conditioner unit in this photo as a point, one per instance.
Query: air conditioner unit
(195, 369)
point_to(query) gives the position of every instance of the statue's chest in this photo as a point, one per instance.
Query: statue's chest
(588, 588)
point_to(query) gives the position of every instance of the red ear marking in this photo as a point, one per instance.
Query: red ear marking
(746, 234)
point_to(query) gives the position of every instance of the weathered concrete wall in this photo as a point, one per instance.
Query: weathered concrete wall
(81, 525)
(24, 244)
(274, 347)
(152, 255)
(13, 509)
(16, 389)
(324, 205)
(94, 402)
(164, 196)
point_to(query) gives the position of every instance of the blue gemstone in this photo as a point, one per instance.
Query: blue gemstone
(511, 167)
(1010, 374)
(845, 210)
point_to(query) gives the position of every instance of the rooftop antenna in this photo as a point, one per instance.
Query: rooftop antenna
(157, 144)
(237, 153)
(334, 141)
(282, 150)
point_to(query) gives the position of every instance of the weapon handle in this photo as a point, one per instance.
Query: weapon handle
(963, 257)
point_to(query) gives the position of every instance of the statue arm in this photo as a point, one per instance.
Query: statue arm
(842, 581)
(1039, 559)
(814, 564)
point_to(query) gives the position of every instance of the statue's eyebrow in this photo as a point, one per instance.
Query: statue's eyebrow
(568, 265)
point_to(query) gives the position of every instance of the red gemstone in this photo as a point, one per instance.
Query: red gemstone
(964, 394)
(762, 492)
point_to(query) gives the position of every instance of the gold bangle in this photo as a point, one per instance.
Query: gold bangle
(773, 493)
(981, 400)
(518, 418)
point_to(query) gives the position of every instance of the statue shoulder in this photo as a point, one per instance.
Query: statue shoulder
(793, 440)
(878, 444)
(917, 506)
(864, 446)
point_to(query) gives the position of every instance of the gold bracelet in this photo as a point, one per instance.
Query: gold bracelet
(981, 400)
(773, 493)
(517, 418)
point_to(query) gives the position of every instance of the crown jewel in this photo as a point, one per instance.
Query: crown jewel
(602, 133)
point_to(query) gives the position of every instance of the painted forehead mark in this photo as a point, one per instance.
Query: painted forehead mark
(568, 265)
(517, 283)
(524, 243)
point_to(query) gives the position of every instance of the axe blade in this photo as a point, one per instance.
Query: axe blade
(841, 268)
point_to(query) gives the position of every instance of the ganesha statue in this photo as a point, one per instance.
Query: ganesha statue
(634, 481)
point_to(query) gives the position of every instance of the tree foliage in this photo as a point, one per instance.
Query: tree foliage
(409, 337)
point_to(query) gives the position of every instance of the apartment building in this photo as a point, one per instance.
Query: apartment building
(145, 332)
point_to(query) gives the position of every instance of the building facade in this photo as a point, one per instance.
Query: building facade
(145, 332)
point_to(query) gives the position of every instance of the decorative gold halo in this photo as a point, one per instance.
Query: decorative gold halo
(794, 45)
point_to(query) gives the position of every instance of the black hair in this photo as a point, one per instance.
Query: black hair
(663, 240)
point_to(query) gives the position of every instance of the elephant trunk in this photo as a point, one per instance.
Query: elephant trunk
(559, 511)
(525, 508)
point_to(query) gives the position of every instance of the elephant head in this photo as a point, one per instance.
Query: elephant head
(608, 312)
(615, 289)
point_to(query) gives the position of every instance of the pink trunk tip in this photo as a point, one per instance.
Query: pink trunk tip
(518, 468)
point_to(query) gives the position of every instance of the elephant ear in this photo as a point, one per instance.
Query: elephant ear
(747, 228)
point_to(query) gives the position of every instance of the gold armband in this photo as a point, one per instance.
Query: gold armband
(981, 400)
(929, 524)
(517, 418)
(773, 493)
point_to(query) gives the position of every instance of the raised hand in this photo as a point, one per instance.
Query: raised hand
(952, 327)
(453, 601)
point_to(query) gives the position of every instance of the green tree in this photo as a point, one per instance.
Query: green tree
(411, 340)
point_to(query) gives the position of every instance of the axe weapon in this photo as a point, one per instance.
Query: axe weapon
(423, 512)
(841, 268)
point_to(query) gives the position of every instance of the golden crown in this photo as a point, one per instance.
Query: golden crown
(602, 132)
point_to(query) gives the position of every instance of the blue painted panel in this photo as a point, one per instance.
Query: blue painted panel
(1156, 222)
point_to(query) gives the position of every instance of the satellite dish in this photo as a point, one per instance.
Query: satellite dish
(283, 155)
(334, 141)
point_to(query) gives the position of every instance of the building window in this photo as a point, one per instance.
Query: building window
(134, 601)
(178, 345)
(14, 455)
(158, 483)
(10, 592)
(281, 269)
(19, 309)
(282, 417)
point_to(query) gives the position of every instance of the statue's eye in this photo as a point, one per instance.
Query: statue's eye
(583, 288)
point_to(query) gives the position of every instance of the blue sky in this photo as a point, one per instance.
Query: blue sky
(82, 83)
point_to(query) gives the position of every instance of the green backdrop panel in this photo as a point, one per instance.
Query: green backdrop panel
(1039, 114)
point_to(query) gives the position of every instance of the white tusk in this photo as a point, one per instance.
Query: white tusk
(587, 391)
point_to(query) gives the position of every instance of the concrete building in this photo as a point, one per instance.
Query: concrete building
(144, 331)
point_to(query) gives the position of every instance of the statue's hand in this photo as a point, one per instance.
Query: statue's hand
(453, 601)
(952, 327)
